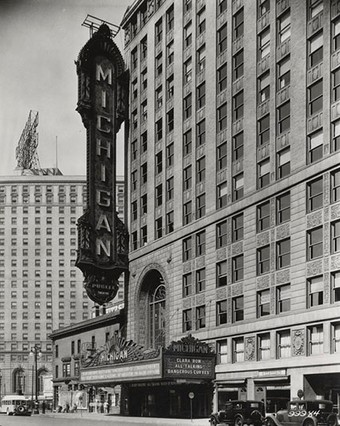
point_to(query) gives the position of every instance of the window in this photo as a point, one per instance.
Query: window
(283, 116)
(170, 87)
(283, 298)
(159, 31)
(187, 249)
(222, 6)
(238, 349)
(170, 189)
(283, 27)
(134, 210)
(222, 39)
(170, 120)
(335, 136)
(200, 243)
(264, 87)
(200, 96)
(237, 227)
(315, 243)
(238, 22)
(237, 306)
(221, 234)
(188, 35)
(143, 48)
(315, 49)
(201, 58)
(315, 7)
(144, 204)
(143, 236)
(187, 213)
(315, 291)
(263, 346)
(263, 303)
(169, 222)
(170, 155)
(187, 178)
(335, 186)
(315, 149)
(200, 317)
(222, 78)
(336, 338)
(315, 194)
(315, 93)
(222, 117)
(144, 173)
(237, 268)
(283, 163)
(283, 73)
(187, 320)
(200, 22)
(238, 106)
(187, 142)
(335, 278)
(159, 130)
(263, 216)
(238, 186)
(200, 280)
(283, 344)
(222, 156)
(187, 285)
(283, 253)
(200, 133)
(170, 53)
(170, 18)
(159, 195)
(159, 162)
(264, 43)
(187, 71)
(221, 274)
(159, 227)
(335, 236)
(159, 64)
(336, 34)
(238, 146)
(134, 59)
(187, 107)
(200, 170)
(221, 312)
(263, 260)
(315, 335)
(222, 195)
(264, 173)
(238, 62)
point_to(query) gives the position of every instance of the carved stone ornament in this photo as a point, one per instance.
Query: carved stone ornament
(335, 262)
(283, 276)
(263, 282)
(249, 348)
(221, 293)
(262, 239)
(283, 231)
(237, 289)
(335, 211)
(189, 344)
(314, 219)
(237, 248)
(298, 337)
(314, 268)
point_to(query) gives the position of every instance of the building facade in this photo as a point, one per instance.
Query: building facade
(234, 185)
(40, 288)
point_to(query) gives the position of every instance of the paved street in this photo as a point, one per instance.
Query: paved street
(93, 420)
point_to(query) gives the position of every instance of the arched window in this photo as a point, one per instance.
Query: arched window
(19, 381)
(157, 317)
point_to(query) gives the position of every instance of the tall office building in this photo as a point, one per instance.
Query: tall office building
(235, 193)
(40, 288)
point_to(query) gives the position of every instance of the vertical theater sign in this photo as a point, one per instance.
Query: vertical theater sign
(102, 104)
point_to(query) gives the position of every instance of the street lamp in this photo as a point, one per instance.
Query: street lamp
(35, 351)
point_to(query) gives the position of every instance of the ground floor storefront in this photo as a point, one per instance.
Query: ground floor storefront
(275, 387)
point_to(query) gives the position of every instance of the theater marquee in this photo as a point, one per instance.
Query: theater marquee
(102, 104)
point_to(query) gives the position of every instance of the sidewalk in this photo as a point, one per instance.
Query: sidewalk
(120, 420)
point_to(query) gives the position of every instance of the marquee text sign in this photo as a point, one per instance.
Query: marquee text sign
(188, 367)
(102, 104)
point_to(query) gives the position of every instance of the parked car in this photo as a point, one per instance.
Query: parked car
(238, 413)
(316, 412)
(22, 410)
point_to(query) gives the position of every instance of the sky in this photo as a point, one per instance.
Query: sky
(39, 42)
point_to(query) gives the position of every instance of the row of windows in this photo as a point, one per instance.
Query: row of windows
(48, 294)
(37, 252)
(37, 220)
(37, 189)
(38, 242)
(39, 231)
(195, 318)
(265, 348)
(39, 210)
(37, 262)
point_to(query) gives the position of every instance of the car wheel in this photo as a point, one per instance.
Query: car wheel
(308, 422)
(269, 422)
(238, 421)
(332, 420)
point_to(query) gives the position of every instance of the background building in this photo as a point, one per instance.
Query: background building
(40, 288)
(234, 190)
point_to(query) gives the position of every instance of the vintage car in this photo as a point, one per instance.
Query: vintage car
(316, 412)
(22, 410)
(238, 413)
